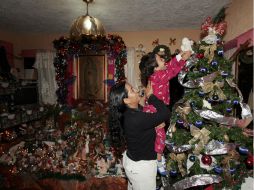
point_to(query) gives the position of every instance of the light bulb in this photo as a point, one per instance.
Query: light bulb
(87, 24)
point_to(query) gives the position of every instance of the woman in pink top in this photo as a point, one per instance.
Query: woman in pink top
(157, 68)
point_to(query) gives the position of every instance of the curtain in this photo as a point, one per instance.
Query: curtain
(130, 71)
(46, 77)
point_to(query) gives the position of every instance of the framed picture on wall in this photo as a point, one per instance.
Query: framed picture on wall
(91, 71)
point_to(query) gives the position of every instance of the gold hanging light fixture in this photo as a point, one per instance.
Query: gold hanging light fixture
(87, 25)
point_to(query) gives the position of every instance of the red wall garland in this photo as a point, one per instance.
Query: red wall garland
(66, 48)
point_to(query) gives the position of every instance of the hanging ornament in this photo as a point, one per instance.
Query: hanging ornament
(232, 170)
(235, 102)
(200, 55)
(249, 162)
(218, 169)
(219, 41)
(226, 138)
(192, 158)
(243, 150)
(228, 101)
(173, 173)
(201, 93)
(198, 123)
(210, 100)
(229, 110)
(203, 70)
(179, 122)
(220, 52)
(214, 63)
(206, 159)
(224, 74)
(215, 97)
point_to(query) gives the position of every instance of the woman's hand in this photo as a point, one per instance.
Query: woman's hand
(149, 89)
(161, 125)
(186, 55)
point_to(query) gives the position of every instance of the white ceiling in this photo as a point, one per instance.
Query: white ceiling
(56, 16)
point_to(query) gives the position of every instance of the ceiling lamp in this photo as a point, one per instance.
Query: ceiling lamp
(87, 25)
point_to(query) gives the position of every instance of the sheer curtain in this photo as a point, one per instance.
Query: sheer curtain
(130, 68)
(46, 77)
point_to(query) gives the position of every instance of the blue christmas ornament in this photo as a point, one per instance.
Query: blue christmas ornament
(198, 123)
(220, 52)
(229, 110)
(203, 70)
(228, 101)
(243, 150)
(210, 100)
(201, 94)
(224, 74)
(218, 169)
(179, 122)
(214, 63)
(235, 102)
(192, 158)
(173, 173)
(232, 170)
(218, 39)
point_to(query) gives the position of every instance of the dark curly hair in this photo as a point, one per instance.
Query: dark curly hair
(116, 109)
(146, 67)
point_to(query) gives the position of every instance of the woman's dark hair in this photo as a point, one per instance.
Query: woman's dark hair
(146, 67)
(116, 108)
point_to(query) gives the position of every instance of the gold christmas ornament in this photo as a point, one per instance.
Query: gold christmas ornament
(226, 138)
(173, 129)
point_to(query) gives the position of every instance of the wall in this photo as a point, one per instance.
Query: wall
(133, 39)
(239, 17)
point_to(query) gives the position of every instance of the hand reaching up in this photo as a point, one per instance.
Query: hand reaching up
(186, 55)
(149, 89)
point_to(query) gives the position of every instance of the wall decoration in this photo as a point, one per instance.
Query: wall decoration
(155, 42)
(140, 50)
(172, 41)
(67, 48)
(91, 74)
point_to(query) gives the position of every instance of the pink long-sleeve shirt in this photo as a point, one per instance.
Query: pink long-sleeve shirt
(160, 81)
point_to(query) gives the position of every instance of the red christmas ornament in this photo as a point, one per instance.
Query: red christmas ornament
(249, 162)
(206, 159)
(200, 55)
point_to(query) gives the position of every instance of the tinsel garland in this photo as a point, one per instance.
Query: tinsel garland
(214, 143)
(113, 45)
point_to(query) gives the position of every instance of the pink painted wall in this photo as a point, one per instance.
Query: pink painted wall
(239, 17)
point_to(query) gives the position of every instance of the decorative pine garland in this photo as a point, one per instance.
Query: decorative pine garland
(67, 48)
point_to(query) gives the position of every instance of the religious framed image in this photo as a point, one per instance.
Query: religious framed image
(91, 74)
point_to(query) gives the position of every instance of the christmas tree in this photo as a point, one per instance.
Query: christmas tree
(207, 142)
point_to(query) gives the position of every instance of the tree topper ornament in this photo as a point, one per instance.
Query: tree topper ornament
(187, 45)
(213, 29)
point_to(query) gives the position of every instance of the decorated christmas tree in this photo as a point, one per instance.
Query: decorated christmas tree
(208, 142)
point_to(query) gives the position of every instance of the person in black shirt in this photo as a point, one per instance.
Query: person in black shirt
(139, 161)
